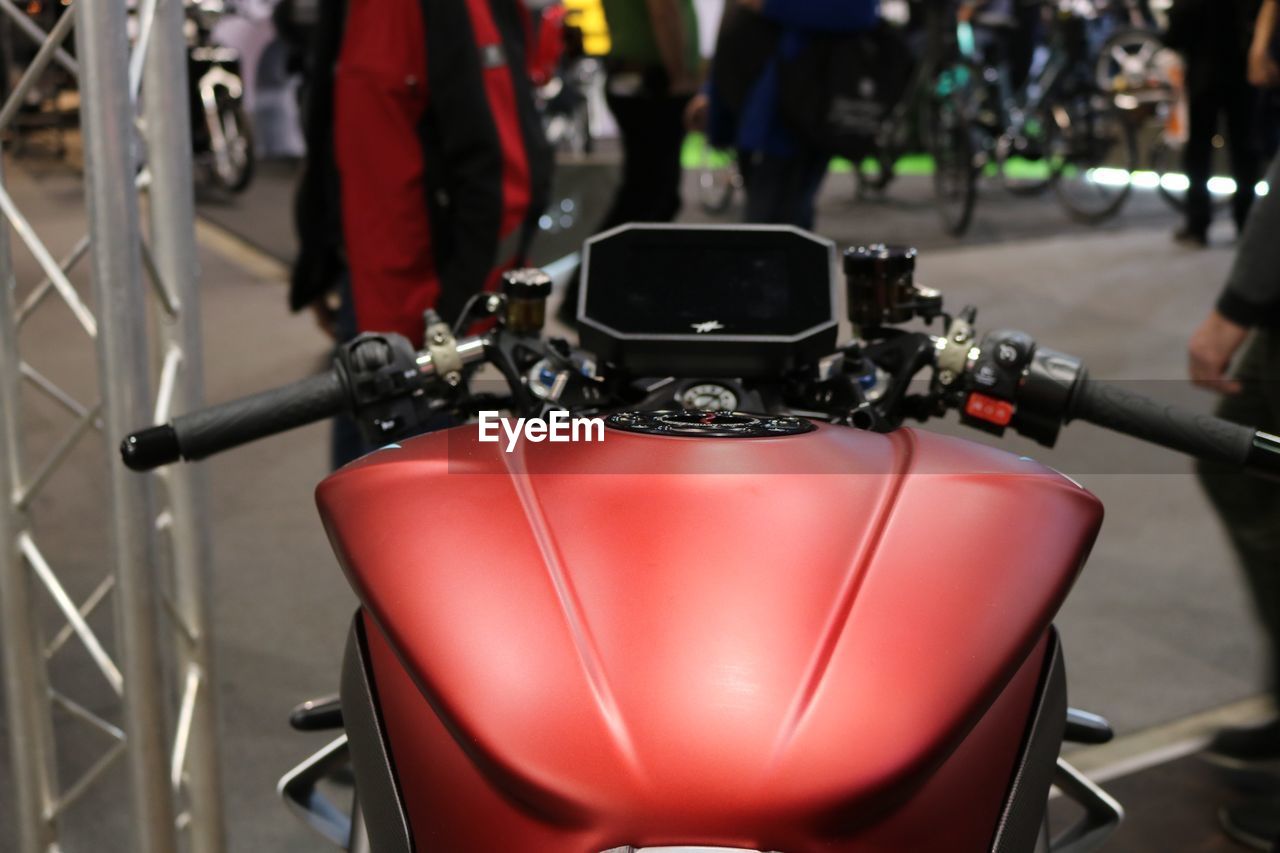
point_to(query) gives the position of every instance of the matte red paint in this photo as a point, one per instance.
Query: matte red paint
(819, 642)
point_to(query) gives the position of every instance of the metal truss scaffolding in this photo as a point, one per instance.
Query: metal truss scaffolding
(153, 651)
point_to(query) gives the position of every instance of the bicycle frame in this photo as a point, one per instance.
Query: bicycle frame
(1015, 108)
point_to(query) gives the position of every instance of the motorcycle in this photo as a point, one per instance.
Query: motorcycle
(221, 134)
(563, 75)
(748, 609)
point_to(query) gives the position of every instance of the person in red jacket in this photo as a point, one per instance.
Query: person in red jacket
(443, 165)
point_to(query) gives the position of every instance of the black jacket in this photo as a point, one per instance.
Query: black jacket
(1252, 294)
(317, 204)
(1214, 37)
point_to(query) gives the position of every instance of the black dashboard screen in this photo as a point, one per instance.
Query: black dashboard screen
(729, 282)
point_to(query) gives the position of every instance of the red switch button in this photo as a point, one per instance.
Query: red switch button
(989, 409)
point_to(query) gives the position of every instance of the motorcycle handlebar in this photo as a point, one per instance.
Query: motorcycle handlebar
(1199, 435)
(211, 430)
(207, 431)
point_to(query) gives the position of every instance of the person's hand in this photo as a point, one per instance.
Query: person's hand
(1264, 72)
(685, 84)
(1210, 351)
(695, 114)
(325, 314)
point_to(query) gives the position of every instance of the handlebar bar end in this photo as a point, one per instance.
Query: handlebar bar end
(1264, 455)
(150, 448)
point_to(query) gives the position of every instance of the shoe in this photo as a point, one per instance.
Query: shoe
(1191, 239)
(1255, 823)
(1253, 747)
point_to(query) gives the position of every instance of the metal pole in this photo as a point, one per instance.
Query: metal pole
(173, 247)
(26, 682)
(107, 122)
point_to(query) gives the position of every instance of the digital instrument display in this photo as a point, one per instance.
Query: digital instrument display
(708, 300)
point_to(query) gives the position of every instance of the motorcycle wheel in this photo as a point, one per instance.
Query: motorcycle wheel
(570, 131)
(583, 118)
(237, 174)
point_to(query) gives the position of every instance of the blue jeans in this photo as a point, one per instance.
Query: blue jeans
(346, 444)
(783, 190)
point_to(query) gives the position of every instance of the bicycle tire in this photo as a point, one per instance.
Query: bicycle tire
(1084, 156)
(1024, 187)
(879, 179)
(1126, 61)
(1163, 159)
(951, 144)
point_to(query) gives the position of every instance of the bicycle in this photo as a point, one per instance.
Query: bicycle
(1061, 130)
(907, 121)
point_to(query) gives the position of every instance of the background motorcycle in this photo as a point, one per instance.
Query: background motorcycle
(565, 79)
(221, 133)
(563, 76)
(806, 628)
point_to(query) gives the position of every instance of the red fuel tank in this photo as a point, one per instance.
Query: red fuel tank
(808, 642)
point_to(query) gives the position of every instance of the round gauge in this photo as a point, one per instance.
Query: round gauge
(708, 397)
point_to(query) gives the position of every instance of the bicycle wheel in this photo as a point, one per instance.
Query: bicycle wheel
(1093, 153)
(1128, 61)
(1165, 159)
(1025, 169)
(874, 173)
(951, 143)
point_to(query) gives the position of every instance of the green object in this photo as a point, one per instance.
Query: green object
(967, 40)
(912, 164)
(695, 144)
(631, 32)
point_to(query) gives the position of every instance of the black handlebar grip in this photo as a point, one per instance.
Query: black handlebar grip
(151, 448)
(207, 431)
(1199, 435)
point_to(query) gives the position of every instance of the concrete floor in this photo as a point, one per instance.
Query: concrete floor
(1157, 628)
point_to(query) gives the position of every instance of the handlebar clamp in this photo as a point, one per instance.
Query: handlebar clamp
(443, 349)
